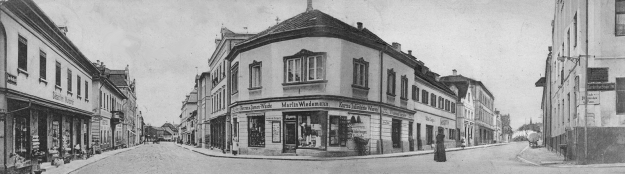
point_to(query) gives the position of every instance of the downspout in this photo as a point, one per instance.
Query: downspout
(586, 93)
(380, 84)
(5, 85)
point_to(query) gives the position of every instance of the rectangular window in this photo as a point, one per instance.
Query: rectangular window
(620, 95)
(568, 103)
(568, 42)
(256, 131)
(69, 81)
(58, 74)
(404, 88)
(424, 96)
(390, 81)
(86, 91)
(620, 18)
(310, 130)
(441, 103)
(415, 93)
(42, 65)
(361, 73)
(453, 107)
(433, 100)
(235, 80)
(396, 133)
(338, 130)
(22, 54)
(315, 68)
(101, 100)
(294, 73)
(78, 86)
(255, 74)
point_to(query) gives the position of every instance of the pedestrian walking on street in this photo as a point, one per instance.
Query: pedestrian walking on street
(439, 153)
(462, 143)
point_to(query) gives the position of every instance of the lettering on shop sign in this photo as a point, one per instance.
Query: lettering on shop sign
(273, 118)
(387, 122)
(394, 113)
(304, 104)
(255, 107)
(598, 74)
(601, 86)
(357, 106)
(593, 98)
(429, 119)
(58, 96)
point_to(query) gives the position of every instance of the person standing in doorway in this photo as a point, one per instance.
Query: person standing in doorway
(439, 153)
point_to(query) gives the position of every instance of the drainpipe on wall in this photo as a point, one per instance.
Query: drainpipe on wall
(381, 78)
(586, 94)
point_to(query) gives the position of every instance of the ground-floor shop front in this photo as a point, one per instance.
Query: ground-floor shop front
(42, 132)
(429, 125)
(484, 134)
(216, 135)
(320, 128)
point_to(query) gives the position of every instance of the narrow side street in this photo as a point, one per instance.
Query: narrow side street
(169, 158)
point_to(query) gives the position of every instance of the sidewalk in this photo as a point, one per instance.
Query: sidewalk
(215, 153)
(540, 156)
(77, 164)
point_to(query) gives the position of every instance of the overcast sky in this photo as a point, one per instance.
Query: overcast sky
(503, 43)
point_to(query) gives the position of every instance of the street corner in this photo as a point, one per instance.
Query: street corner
(540, 156)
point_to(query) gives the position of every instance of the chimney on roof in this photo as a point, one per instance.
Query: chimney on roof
(396, 46)
(454, 72)
(63, 29)
(309, 6)
(410, 52)
(359, 24)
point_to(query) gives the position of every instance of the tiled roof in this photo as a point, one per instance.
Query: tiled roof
(118, 80)
(456, 78)
(315, 18)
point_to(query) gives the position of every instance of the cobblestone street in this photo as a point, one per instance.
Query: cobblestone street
(168, 158)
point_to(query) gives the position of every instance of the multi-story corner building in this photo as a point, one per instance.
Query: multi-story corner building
(204, 108)
(123, 81)
(217, 91)
(109, 113)
(188, 118)
(46, 93)
(314, 85)
(475, 105)
(586, 62)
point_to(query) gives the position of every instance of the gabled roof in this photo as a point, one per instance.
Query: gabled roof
(118, 80)
(460, 78)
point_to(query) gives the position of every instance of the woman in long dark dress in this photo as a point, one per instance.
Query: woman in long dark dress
(439, 154)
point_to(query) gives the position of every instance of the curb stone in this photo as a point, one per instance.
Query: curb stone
(558, 164)
(340, 158)
(78, 168)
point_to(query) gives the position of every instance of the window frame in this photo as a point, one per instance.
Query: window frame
(78, 86)
(304, 57)
(415, 93)
(234, 73)
(87, 91)
(254, 64)
(620, 90)
(425, 97)
(433, 100)
(58, 75)
(391, 82)
(69, 81)
(404, 88)
(43, 63)
(360, 80)
(22, 54)
(616, 14)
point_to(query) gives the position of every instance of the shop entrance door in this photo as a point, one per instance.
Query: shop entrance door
(290, 137)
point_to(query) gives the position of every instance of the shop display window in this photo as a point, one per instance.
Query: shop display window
(20, 125)
(309, 131)
(256, 131)
(338, 130)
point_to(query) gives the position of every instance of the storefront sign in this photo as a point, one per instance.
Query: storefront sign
(304, 104)
(275, 132)
(593, 98)
(429, 119)
(395, 113)
(58, 96)
(357, 106)
(601, 86)
(597, 74)
(273, 118)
